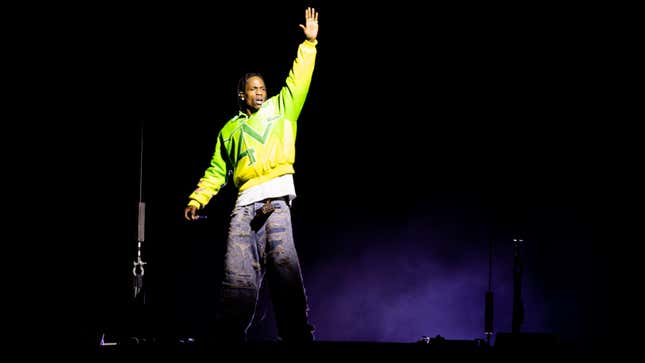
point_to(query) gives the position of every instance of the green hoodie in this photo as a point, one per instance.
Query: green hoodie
(260, 147)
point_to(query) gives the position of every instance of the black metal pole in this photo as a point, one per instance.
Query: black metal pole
(138, 269)
(488, 309)
(518, 306)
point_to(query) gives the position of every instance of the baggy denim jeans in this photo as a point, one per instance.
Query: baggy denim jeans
(260, 245)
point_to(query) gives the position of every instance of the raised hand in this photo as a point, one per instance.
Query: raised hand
(311, 24)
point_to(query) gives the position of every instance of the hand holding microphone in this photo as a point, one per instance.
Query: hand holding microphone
(190, 213)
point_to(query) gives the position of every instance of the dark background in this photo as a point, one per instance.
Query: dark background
(428, 135)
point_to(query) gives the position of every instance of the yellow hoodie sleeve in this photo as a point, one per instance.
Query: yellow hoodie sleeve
(213, 180)
(292, 96)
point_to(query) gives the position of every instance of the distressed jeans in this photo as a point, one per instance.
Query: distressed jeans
(260, 245)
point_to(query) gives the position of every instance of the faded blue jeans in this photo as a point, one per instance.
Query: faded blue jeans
(260, 245)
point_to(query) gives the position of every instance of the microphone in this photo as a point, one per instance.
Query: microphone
(202, 217)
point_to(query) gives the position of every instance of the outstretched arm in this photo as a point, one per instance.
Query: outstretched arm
(292, 96)
(311, 24)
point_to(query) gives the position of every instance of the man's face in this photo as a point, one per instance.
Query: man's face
(255, 93)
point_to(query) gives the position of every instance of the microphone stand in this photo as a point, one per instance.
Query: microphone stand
(488, 309)
(518, 306)
(138, 270)
(138, 288)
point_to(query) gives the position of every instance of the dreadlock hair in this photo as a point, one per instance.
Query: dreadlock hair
(241, 87)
